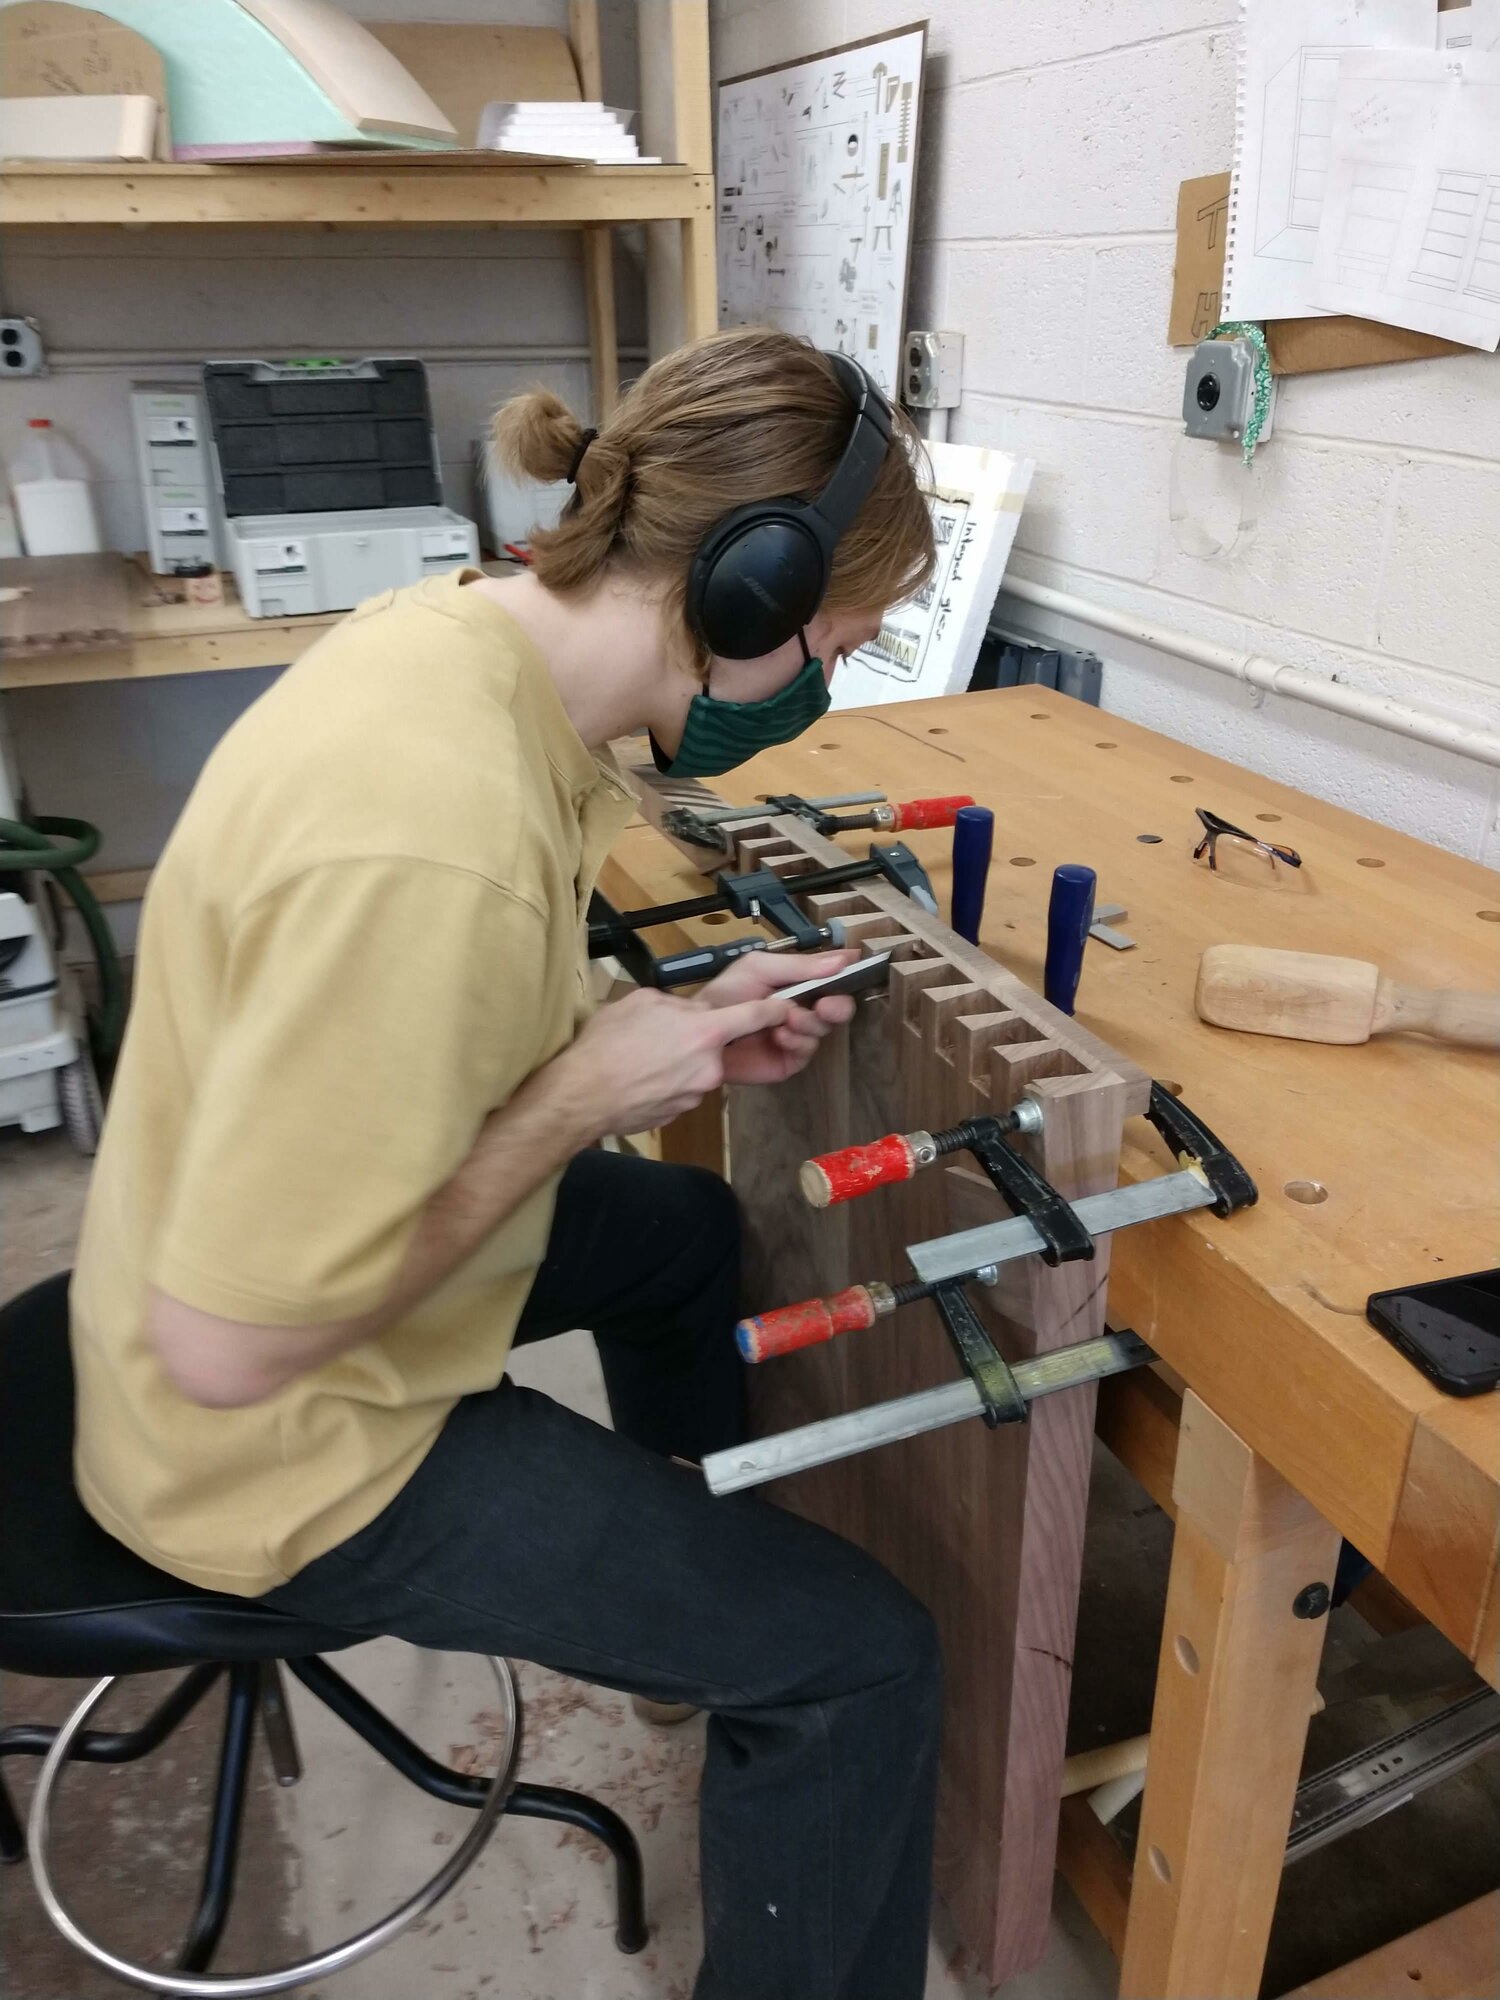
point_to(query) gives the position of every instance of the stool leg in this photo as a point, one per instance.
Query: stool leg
(455, 1788)
(276, 1721)
(592, 1816)
(212, 1912)
(12, 1839)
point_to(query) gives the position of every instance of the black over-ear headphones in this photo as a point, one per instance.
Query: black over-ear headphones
(761, 572)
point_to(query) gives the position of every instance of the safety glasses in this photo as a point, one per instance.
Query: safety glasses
(1216, 829)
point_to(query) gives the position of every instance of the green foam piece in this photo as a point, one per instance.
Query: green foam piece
(230, 82)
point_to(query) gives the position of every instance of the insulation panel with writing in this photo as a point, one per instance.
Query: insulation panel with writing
(816, 163)
(929, 644)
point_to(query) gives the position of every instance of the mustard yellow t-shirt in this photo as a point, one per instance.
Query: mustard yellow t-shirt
(363, 935)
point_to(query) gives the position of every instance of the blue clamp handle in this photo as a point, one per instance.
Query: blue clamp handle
(1069, 915)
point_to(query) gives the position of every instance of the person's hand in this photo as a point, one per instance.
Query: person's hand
(776, 1053)
(645, 1060)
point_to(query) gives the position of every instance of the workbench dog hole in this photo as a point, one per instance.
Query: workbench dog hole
(1180, 778)
(1310, 1193)
(1149, 839)
(1160, 1866)
(1187, 1653)
(937, 732)
(1488, 916)
(1271, 819)
(1368, 861)
(717, 917)
(1023, 861)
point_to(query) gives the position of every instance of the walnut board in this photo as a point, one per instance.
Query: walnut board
(987, 1528)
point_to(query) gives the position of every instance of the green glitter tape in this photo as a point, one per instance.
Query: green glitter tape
(1256, 335)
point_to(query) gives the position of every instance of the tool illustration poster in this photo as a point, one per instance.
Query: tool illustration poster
(816, 164)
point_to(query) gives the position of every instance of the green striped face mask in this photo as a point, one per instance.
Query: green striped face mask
(721, 734)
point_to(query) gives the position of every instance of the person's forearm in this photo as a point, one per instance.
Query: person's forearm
(228, 1363)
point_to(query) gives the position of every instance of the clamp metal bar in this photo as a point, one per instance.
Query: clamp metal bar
(769, 808)
(907, 1416)
(968, 1251)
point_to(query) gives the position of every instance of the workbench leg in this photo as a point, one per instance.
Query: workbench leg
(1234, 1690)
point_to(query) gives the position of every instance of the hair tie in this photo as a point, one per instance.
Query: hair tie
(583, 444)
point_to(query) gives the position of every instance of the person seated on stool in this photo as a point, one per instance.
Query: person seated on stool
(348, 1159)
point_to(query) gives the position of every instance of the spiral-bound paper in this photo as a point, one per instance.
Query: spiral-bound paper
(1236, 171)
(1289, 53)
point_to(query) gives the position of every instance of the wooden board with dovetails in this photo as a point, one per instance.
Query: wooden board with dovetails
(987, 1528)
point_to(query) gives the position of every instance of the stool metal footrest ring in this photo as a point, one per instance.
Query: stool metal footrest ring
(337, 1957)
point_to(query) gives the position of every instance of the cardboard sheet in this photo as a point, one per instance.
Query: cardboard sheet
(1198, 275)
(51, 49)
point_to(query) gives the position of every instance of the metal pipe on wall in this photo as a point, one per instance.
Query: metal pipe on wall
(1256, 670)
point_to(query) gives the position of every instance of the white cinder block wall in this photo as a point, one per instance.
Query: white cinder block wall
(490, 311)
(1054, 139)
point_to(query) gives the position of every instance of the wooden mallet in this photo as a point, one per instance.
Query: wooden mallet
(1309, 998)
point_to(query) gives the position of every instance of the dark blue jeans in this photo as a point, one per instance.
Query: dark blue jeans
(531, 1531)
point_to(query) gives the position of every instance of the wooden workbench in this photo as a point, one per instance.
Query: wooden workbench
(1377, 1165)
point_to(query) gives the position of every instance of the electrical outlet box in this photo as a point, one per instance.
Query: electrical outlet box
(21, 350)
(933, 372)
(1218, 398)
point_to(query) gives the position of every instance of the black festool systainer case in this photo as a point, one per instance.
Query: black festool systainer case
(322, 437)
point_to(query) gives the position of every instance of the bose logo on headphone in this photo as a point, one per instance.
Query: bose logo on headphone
(761, 572)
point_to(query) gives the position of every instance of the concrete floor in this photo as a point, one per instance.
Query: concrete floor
(533, 1919)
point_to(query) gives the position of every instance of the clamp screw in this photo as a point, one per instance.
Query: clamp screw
(1312, 1601)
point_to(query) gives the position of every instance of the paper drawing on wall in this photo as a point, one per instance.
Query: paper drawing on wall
(929, 644)
(1294, 154)
(814, 161)
(1289, 71)
(1411, 226)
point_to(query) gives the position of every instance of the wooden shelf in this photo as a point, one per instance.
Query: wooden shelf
(427, 189)
(178, 638)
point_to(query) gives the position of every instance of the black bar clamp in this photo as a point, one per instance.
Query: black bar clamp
(1195, 1146)
(1024, 1191)
(982, 1361)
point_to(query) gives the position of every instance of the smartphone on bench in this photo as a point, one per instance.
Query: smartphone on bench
(1450, 1329)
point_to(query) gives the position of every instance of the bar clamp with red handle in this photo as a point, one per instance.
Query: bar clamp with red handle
(857, 1170)
(713, 827)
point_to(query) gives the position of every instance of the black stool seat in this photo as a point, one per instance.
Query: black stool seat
(73, 1600)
